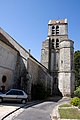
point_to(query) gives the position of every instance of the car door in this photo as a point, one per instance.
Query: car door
(11, 96)
(20, 95)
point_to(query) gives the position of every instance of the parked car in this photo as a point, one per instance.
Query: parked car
(14, 95)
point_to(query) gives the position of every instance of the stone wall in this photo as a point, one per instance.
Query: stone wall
(13, 64)
(8, 59)
(45, 53)
(66, 68)
(39, 74)
(20, 64)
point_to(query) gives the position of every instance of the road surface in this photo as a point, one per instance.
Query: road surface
(39, 111)
(34, 110)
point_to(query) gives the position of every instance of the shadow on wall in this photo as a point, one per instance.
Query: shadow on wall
(39, 92)
(56, 91)
(21, 74)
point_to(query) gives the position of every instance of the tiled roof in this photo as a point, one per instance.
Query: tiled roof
(58, 21)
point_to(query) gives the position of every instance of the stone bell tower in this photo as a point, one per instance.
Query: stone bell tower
(57, 56)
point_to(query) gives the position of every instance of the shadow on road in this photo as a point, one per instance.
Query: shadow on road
(54, 98)
(51, 100)
(32, 103)
(17, 104)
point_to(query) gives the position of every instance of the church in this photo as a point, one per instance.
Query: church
(57, 55)
(19, 69)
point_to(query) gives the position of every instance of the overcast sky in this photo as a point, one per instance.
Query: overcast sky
(27, 21)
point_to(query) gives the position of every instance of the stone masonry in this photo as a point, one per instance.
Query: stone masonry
(59, 53)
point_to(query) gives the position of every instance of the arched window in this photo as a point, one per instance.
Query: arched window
(53, 27)
(53, 30)
(52, 43)
(57, 27)
(57, 43)
(57, 30)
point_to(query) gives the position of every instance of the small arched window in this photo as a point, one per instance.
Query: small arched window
(52, 43)
(57, 43)
(53, 30)
(53, 27)
(57, 27)
(57, 30)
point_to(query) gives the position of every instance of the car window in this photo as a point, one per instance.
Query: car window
(20, 93)
(10, 93)
(16, 92)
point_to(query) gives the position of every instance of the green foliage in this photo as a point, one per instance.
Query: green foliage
(77, 92)
(75, 101)
(69, 113)
(77, 67)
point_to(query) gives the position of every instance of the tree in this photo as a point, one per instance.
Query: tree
(77, 67)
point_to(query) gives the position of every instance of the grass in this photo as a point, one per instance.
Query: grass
(65, 105)
(69, 113)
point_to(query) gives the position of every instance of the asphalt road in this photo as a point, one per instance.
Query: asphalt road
(40, 111)
(34, 110)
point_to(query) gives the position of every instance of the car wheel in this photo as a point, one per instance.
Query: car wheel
(23, 101)
(1, 100)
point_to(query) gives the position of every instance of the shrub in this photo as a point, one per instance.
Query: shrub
(77, 92)
(75, 101)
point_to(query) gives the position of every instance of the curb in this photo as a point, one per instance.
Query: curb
(55, 114)
(12, 112)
